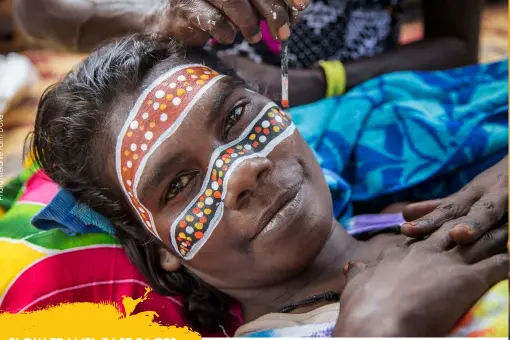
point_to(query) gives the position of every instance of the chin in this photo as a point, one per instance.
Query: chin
(294, 248)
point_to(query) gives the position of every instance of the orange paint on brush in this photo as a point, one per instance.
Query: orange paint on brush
(285, 104)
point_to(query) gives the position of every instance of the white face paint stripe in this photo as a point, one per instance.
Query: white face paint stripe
(120, 138)
(219, 214)
(276, 129)
(135, 111)
(263, 153)
(214, 222)
(168, 133)
(212, 160)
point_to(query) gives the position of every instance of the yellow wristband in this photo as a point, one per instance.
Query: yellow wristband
(335, 77)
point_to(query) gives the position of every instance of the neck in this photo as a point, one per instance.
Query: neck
(323, 275)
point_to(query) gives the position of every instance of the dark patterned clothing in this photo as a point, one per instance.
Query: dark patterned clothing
(329, 30)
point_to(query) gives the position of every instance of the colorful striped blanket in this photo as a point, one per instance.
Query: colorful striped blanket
(401, 135)
(408, 136)
(42, 268)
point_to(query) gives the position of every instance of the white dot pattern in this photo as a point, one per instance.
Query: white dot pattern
(176, 101)
(159, 94)
(166, 97)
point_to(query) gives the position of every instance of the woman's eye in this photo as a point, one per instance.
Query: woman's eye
(232, 119)
(177, 186)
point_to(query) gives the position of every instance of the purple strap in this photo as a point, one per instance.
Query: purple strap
(373, 223)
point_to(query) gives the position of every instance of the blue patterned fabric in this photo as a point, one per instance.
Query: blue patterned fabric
(402, 136)
(318, 330)
(409, 135)
(71, 216)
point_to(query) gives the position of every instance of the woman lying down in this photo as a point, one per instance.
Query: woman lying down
(210, 185)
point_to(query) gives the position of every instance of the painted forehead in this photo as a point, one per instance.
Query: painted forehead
(156, 115)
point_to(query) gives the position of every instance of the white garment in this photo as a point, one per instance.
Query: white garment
(17, 76)
(324, 315)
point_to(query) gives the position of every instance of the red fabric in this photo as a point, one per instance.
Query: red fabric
(95, 273)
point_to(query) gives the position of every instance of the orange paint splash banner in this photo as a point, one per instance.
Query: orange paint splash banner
(92, 321)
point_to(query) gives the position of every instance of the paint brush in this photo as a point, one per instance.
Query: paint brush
(285, 73)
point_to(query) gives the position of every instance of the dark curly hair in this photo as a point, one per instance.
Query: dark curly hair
(70, 123)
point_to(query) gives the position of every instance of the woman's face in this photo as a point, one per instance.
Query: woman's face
(271, 214)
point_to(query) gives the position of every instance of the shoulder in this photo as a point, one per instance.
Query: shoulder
(284, 325)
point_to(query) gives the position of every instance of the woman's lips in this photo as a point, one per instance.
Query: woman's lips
(286, 208)
(285, 216)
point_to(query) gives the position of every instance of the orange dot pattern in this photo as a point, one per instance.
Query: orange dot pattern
(195, 223)
(159, 110)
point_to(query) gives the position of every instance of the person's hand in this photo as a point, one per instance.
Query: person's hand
(305, 85)
(478, 207)
(420, 288)
(195, 21)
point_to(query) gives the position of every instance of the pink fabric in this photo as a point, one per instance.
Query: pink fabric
(69, 277)
(267, 38)
(273, 44)
(83, 268)
(39, 188)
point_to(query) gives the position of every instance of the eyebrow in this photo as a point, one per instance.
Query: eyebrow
(158, 174)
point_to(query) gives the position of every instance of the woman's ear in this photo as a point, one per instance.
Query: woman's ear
(168, 261)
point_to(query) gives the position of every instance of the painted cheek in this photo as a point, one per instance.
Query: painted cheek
(197, 222)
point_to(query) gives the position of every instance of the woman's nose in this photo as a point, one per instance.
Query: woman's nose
(244, 179)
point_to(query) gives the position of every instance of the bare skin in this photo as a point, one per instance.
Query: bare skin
(82, 25)
(450, 39)
(478, 207)
(411, 262)
(258, 267)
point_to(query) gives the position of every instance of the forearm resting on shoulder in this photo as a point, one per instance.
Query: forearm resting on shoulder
(427, 55)
(451, 34)
(81, 25)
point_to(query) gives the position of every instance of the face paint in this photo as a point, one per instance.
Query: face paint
(157, 114)
(195, 224)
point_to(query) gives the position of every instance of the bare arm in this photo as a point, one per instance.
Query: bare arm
(420, 289)
(428, 54)
(81, 25)
(451, 40)
(451, 36)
